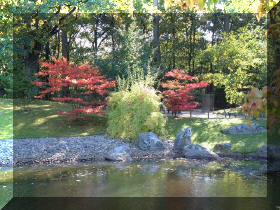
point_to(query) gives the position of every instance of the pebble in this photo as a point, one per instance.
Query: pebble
(67, 149)
(6, 153)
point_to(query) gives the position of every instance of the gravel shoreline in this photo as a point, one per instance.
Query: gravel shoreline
(68, 149)
(19, 152)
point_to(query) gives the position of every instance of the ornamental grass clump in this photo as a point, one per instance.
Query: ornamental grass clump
(133, 111)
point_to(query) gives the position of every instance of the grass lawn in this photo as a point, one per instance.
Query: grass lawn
(6, 118)
(237, 110)
(38, 118)
(207, 133)
(6, 187)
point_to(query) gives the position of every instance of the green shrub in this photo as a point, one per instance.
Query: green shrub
(6, 84)
(133, 111)
(14, 85)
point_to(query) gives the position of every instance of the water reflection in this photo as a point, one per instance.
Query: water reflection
(172, 178)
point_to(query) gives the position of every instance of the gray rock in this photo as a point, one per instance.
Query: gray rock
(183, 138)
(270, 151)
(149, 141)
(245, 129)
(223, 147)
(119, 153)
(198, 152)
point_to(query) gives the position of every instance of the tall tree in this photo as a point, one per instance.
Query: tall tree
(157, 34)
(65, 44)
(238, 62)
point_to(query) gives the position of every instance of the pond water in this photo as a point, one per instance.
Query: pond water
(157, 178)
(171, 178)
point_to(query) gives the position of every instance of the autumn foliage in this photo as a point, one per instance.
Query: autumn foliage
(177, 93)
(274, 100)
(80, 85)
(256, 102)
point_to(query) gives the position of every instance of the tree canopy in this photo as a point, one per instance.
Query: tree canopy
(121, 37)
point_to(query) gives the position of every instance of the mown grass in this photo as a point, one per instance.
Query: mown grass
(6, 187)
(6, 176)
(237, 110)
(207, 133)
(6, 118)
(38, 118)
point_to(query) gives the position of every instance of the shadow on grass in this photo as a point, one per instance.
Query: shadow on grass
(207, 132)
(38, 118)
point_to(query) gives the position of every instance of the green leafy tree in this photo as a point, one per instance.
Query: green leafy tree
(239, 63)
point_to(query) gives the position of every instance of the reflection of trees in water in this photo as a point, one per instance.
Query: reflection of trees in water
(149, 167)
(162, 178)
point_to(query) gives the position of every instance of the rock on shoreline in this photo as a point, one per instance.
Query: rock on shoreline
(72, 149)
(245, 129)
(149, 141)
(87, 148)
(197, 151)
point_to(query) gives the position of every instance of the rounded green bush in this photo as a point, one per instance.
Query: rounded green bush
(131, 112)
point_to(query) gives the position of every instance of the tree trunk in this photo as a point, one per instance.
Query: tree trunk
(193, 55)
(113, 43)
(58, 45)
(95, 34)
(190, 50)
(47, 51)
(31, 55)
(156, 34)
(211, 64)
(31, 64)
(173, 41)
(193, 42)
(95, 42)
(31, 60)
(226, 23)
(188, 47)
(65, 54)
(65, 47)
(274, 41)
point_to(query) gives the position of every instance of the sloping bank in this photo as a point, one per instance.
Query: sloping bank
(19, 152)
(68, 149)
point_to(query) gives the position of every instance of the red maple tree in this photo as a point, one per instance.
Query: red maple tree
(80, 85)
(178, 96)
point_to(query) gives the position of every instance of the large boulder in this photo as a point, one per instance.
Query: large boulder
(183, 138)
(223, 147)
(269, 151)
(198, 152)
(245, 129)
(120, 153)
(149, 141)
